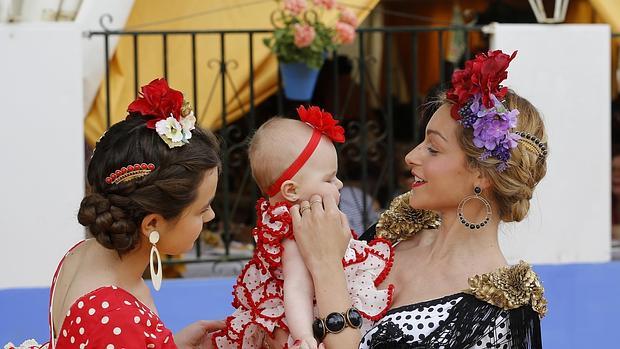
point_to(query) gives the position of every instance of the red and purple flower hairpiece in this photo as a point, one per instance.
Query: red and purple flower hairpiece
(477, 93)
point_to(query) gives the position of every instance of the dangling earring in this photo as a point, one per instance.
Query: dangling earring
(155, 277)
(465, 222)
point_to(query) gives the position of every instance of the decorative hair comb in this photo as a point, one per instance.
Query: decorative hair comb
(170, 115)
(533, 144)
(128, 173)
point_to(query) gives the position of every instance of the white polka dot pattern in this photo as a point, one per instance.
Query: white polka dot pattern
(412, 324)
(112, 318)
(415, 322)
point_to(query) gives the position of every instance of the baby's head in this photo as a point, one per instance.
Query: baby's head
(274, 148)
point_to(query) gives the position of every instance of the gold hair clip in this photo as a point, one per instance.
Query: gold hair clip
(128, 173)
(533, 144)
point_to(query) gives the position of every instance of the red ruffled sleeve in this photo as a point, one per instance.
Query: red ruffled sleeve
(273, 225)
(258, 296)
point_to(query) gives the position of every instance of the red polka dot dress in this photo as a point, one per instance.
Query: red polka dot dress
(258, 293)
(112, 318)
(108, 318)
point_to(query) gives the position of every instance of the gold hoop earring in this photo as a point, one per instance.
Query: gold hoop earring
(155, 277)
(461, 214)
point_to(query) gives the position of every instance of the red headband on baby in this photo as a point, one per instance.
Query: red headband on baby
(323, 124)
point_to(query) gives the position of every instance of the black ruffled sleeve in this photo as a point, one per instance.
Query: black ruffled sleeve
(475, 324)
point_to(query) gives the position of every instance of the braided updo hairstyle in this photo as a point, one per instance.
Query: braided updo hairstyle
(512, 188)
(113, 213)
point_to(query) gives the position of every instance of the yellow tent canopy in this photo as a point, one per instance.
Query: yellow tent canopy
(609, 11)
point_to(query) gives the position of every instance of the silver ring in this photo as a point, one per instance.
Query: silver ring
(304, 209)
(315, 201)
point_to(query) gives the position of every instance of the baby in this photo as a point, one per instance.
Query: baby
(292, 160)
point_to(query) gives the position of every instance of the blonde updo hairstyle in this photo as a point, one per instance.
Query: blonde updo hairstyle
(511, 189)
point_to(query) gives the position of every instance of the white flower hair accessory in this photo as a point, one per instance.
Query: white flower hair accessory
(176, 133)
(170, 115)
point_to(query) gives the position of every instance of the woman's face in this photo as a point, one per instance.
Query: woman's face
(178, 235)
(441, 177)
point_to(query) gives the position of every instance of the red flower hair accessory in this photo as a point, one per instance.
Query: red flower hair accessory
(322, 121)
(481, 75)
(170, 115)
(477, 94)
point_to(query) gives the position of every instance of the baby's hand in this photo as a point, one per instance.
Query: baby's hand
(305, 343)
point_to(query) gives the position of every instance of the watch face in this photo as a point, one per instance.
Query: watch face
(335, 322)
(355, 319)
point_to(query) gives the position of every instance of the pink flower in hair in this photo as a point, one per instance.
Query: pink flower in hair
(295, 6)
(345, 33)
(304, 35)
(328, 4)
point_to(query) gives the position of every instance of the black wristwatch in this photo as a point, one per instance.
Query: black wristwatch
(336, 323)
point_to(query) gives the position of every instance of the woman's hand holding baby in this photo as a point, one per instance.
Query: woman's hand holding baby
(322, 232)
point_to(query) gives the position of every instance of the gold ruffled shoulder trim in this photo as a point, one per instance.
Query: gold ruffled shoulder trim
(400, 221)
(507, 288)
(510, 288)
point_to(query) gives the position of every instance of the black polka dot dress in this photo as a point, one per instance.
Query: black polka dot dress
(501, 309)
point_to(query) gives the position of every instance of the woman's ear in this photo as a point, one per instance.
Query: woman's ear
(482, 181)
(152, 222)
(289, 190)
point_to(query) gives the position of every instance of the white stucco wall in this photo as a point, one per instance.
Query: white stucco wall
(49, 74)
(41, 149)
(564, 70)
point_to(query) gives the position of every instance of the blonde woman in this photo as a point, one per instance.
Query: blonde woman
(483, 154)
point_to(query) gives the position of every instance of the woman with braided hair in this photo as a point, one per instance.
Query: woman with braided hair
(483, 154)
(152, 178)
